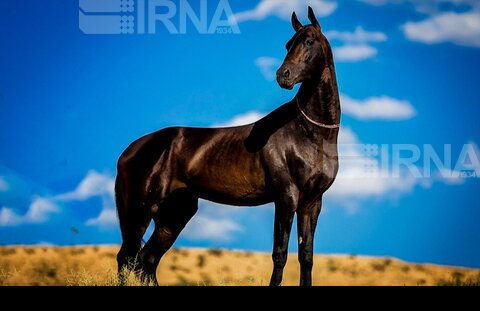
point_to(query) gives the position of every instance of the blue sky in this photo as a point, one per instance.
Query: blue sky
(407, 71)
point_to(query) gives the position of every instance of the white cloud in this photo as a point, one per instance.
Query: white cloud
(353, 181)
(94, 184)
(8, 217)
(215, 222)
(38, 212)
(3, 184)
(384, 107)
(354, 52)
(41, 208)
(360, 35)
(242, 119)
(360, 175)
(427, 6)
(284, 8)
(356, 47)
(107, 218)
(268, 67)
(211, 229)
(364, 175)
(377, 2)
(457, 28)
(462, 28)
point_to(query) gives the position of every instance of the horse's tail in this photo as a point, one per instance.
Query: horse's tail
(133, 205)
(120, 202)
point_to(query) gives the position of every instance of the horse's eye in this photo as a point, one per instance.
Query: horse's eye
(309, 42)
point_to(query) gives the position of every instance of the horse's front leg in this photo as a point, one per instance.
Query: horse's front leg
(307, 216)
(285, 207)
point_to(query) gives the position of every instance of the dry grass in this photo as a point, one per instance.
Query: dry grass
(96, 265)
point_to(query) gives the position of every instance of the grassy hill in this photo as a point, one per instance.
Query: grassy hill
(96, 265)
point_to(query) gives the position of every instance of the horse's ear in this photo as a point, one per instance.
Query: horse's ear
(313, 19)
(296, 23)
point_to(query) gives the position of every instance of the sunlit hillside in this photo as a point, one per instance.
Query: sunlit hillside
(96, 265)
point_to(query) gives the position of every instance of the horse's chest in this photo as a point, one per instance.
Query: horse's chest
(315, 165)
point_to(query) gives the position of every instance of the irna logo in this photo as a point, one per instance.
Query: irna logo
(147, 16)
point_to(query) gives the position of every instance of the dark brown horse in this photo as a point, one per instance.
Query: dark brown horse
(289, 157)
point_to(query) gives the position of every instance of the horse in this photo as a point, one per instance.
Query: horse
(289, 157)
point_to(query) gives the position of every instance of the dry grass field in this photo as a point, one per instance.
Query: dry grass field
(96, 265)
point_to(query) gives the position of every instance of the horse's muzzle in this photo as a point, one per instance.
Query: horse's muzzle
(284, 78)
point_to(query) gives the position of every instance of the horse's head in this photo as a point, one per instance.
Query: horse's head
(306, 53)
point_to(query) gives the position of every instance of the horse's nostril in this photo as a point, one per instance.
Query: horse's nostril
(286, 74)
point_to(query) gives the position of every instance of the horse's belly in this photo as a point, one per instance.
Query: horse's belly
(231, 186)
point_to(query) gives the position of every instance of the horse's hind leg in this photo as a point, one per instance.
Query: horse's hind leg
(134, 221)
(132, 233)
(172, 216)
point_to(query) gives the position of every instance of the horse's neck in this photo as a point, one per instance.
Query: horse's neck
(319, 98)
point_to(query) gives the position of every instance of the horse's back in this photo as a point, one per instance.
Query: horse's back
(213, 162)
